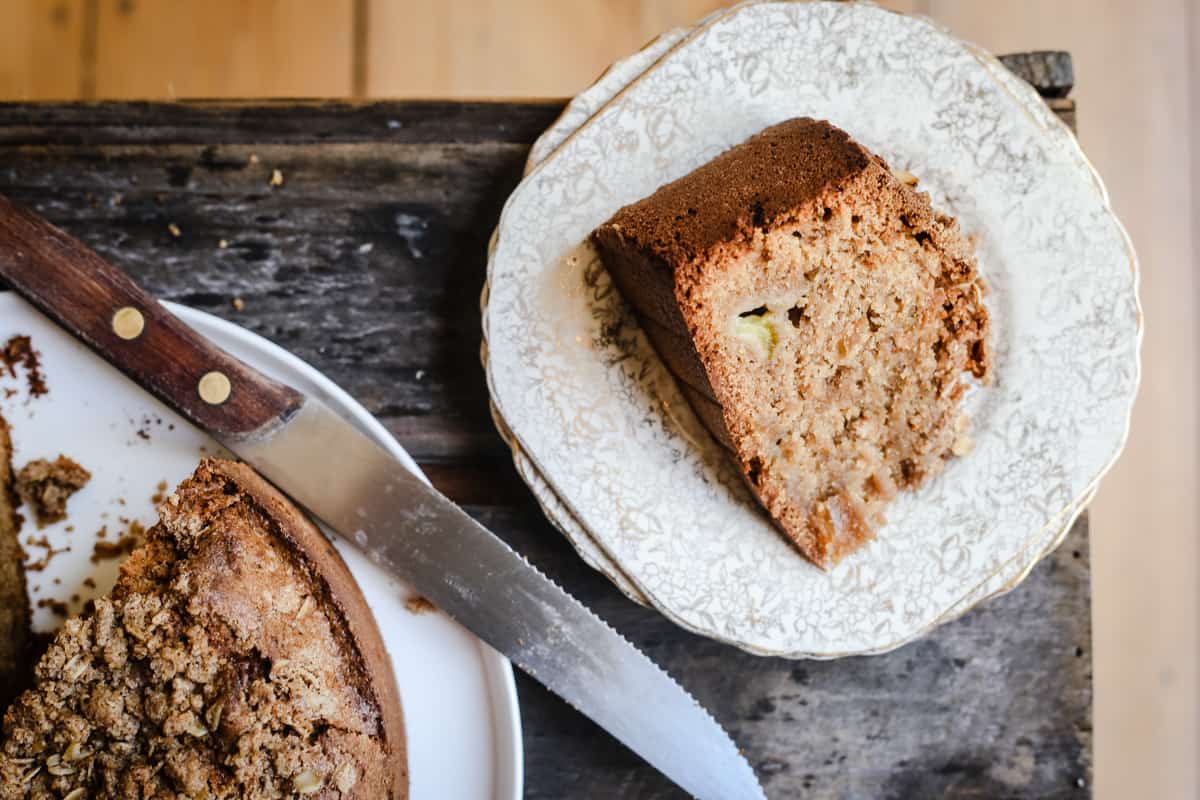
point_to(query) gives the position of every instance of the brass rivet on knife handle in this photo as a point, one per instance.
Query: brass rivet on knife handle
(215, 388)
(128, 323)
(111, 314)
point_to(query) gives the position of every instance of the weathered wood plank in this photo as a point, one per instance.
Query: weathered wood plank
(275, 122)
(1051, 71)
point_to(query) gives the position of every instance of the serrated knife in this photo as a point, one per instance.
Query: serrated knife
(361, 492)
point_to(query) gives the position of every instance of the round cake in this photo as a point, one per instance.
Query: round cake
(235, 658)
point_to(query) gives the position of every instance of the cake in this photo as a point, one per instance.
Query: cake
(235, 658)
(15, 639)
(820, 317)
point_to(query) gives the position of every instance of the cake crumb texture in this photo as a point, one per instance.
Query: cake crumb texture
(228, 662)
(46, 486)
(821, 318)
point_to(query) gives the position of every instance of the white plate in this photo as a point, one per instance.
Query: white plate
(578, 111)
(602, 424)
(459, 697)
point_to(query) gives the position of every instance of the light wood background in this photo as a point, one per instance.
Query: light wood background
(1138, 65)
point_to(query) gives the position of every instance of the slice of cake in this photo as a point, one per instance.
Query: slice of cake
(235, 658)
(14, 601)
(820, 318)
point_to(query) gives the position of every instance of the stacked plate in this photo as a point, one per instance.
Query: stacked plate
(608, 445)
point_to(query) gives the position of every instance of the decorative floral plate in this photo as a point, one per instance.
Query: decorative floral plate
(612, 451)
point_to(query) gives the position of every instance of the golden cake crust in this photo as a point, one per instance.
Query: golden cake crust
(235, 657)
(750, 186)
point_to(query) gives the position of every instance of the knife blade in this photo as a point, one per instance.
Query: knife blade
(356, 488)
(415, 532)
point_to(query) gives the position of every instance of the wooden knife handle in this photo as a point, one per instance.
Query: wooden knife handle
(109, 313)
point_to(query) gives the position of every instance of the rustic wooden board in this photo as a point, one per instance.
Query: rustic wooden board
(368, 263)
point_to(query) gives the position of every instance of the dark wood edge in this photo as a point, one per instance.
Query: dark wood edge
(1050, 72)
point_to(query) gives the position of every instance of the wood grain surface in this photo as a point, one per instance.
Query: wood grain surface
(229, 48)
(41, 54)
(367, 262)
